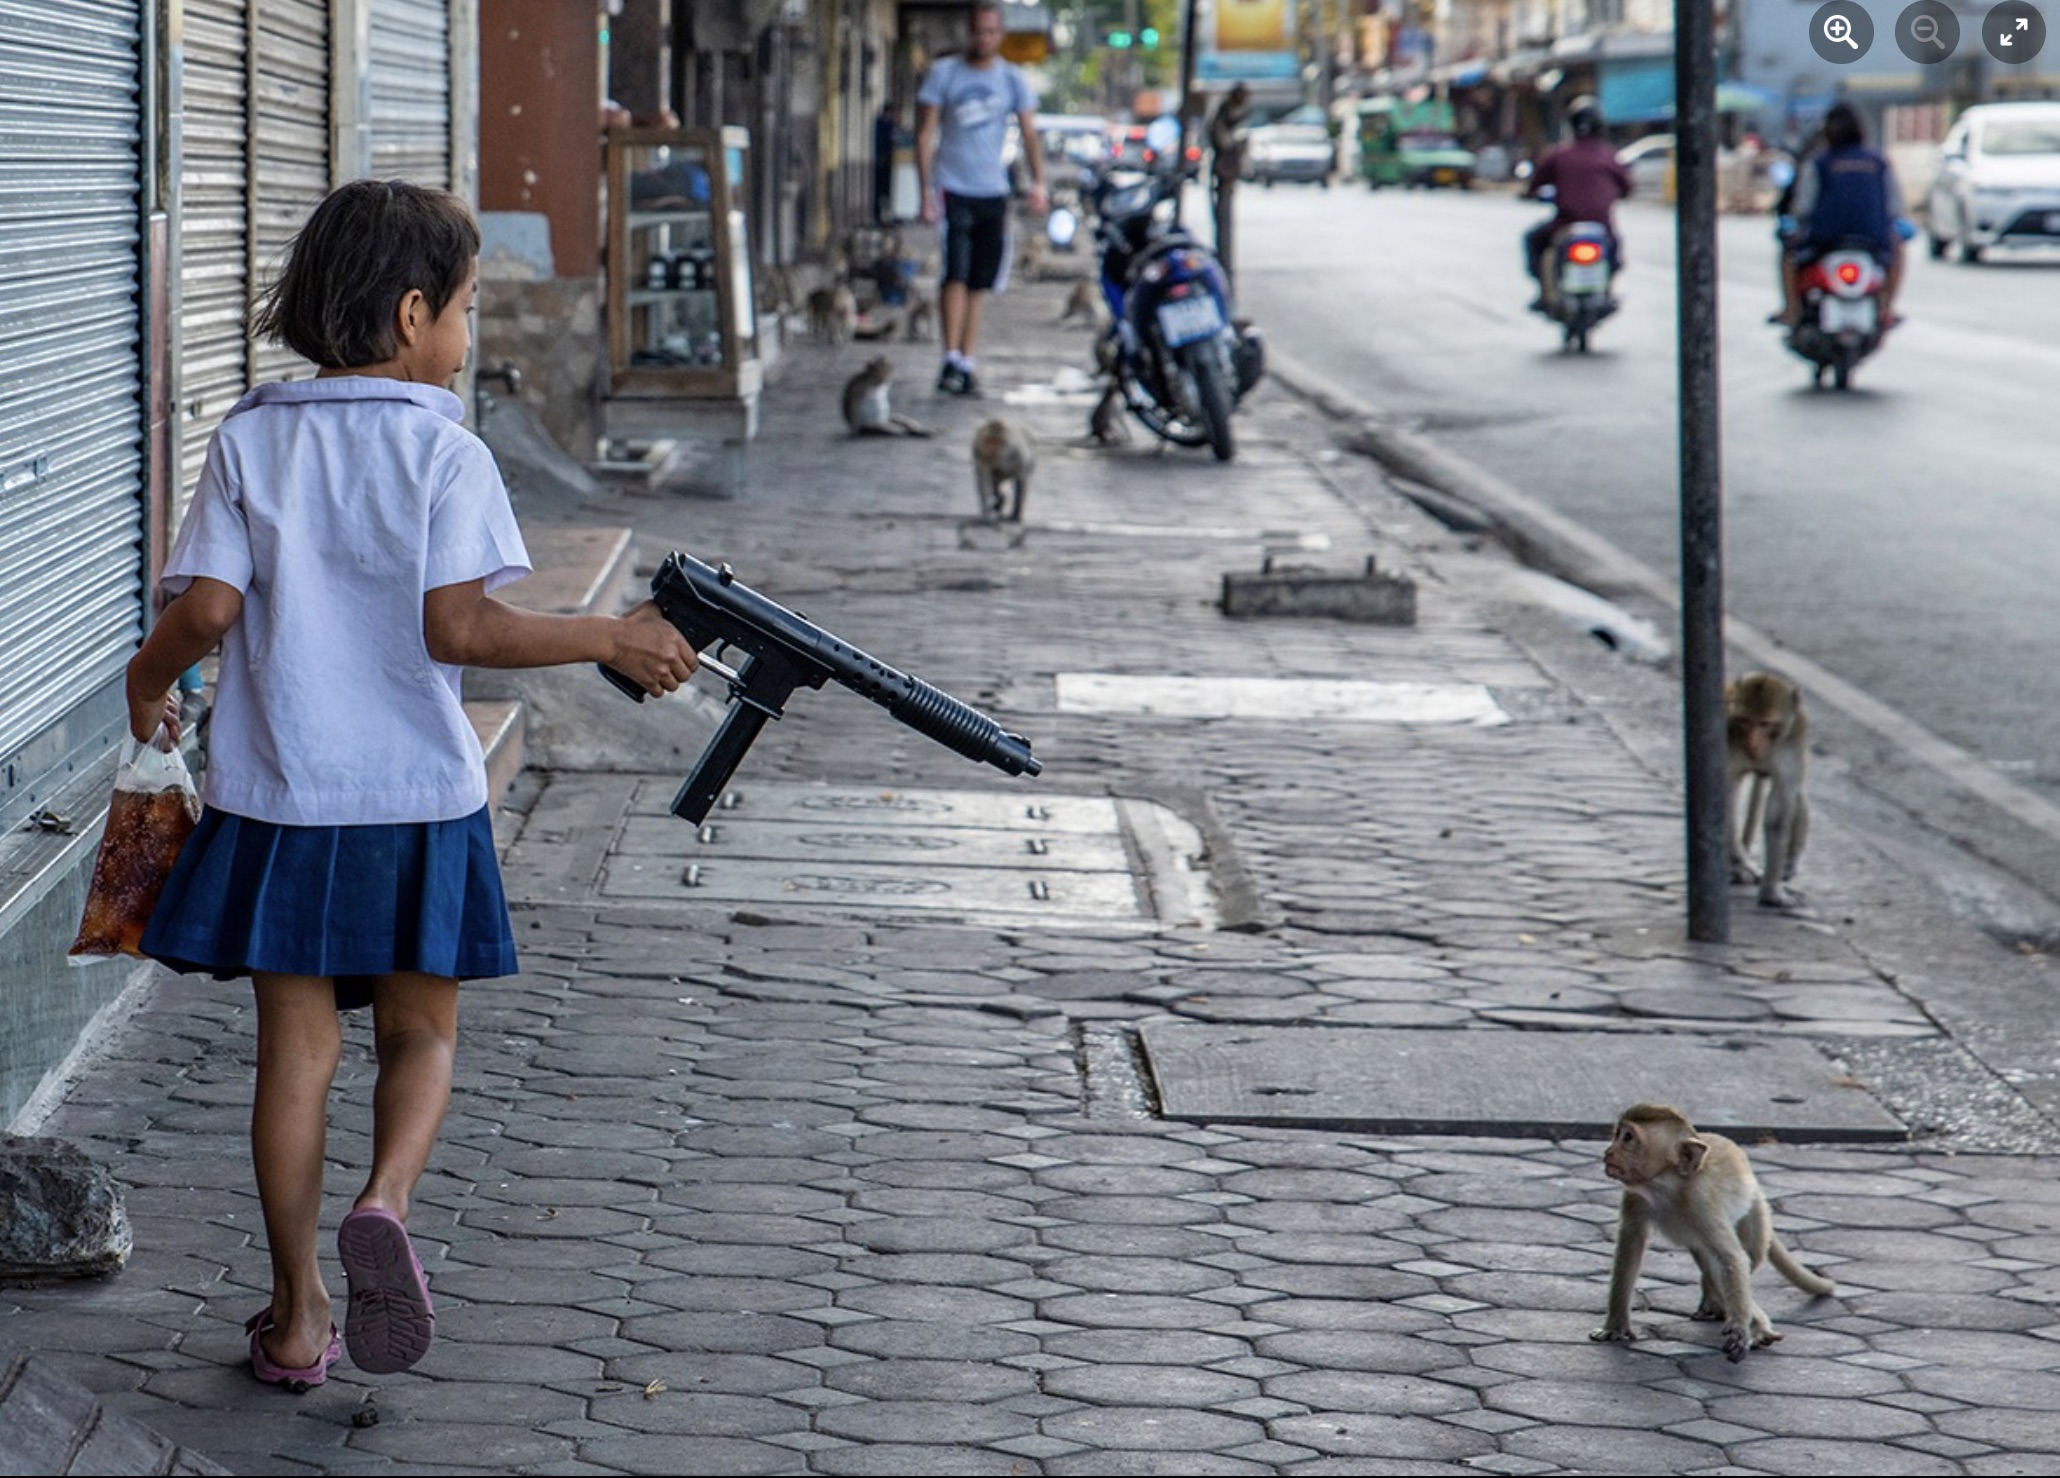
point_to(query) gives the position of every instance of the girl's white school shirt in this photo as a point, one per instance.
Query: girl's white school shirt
(333, 505)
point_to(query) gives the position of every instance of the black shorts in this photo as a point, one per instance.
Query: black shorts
(975, 234)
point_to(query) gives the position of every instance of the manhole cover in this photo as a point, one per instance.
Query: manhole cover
(1547, 1084)
(973, 854)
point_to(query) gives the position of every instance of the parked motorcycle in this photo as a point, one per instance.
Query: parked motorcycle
(1577, 282)
(1841, 313)
(1177, 358)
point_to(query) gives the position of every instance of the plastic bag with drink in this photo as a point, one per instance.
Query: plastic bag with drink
(152, 813)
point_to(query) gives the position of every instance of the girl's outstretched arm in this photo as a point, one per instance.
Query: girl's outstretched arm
(466, 627)
(186, 631)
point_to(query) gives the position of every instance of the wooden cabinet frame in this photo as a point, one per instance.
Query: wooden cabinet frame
(682, 320)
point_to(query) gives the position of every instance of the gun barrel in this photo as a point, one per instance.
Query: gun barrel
(928, 710)
(959, 726)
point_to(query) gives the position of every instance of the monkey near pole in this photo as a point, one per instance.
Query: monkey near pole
(1702, 495)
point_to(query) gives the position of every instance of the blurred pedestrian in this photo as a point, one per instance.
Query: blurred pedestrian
(340, 546)
(1227, 146)
(886, 138)
(963, 111)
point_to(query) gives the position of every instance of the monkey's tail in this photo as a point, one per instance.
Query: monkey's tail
(1814, 1284)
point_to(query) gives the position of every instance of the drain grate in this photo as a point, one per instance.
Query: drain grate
(977, 855)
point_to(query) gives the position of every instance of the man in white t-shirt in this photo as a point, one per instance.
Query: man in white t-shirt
(962, 120)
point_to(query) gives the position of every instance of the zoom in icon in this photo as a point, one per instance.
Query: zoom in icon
(1841, 32)
(1928, 32)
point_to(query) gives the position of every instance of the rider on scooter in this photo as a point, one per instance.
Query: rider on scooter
(1587, 182)
(1845, 192)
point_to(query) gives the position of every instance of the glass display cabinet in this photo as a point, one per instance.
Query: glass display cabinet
(682, 321)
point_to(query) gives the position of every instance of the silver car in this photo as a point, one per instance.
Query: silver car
(1998, 181)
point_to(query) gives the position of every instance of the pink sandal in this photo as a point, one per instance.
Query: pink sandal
(298, 1381)
(389, 1322)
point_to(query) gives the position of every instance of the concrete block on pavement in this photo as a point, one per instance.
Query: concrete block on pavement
(1301, 590)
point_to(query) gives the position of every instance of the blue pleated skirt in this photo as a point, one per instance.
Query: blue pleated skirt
(350, 902)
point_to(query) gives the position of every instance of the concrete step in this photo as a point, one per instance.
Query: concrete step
(579, 569)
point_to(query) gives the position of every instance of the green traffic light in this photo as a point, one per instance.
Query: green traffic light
(1149, 36)
(1120, 40)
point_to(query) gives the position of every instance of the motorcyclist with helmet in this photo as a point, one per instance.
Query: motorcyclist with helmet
(1844, 193)
(1586, 181)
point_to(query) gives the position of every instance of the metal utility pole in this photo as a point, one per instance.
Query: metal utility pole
(1187, 86)
(1702, 491)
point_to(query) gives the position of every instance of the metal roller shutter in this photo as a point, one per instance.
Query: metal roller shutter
(71, 419)
(214, 231)
(411, 91)
(288, 79)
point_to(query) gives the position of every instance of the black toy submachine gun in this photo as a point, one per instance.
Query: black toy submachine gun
(783, 651)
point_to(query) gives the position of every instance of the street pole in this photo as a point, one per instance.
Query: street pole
(1702, 493)
(1187, 76)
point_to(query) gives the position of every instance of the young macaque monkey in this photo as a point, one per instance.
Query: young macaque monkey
(1003, 453)
(1106, 425)
(1080, 305)
(1766, 746)
(921, 320)
(1699, 1190)
(867, 410)
(833, 313)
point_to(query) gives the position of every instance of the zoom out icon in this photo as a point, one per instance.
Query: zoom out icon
(1928, 32)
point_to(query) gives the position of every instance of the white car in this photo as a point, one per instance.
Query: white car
(1998, 181)
(1297, 147)
(1650, 161)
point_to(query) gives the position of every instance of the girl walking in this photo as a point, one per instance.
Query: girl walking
(342, 547)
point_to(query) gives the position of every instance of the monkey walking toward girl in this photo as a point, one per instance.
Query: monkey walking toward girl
(1698, 1189)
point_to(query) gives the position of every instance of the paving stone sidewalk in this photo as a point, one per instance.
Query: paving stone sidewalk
(780, 1188)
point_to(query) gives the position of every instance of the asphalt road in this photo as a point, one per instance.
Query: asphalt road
(1904, 535)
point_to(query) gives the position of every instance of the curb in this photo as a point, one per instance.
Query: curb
(1542, 537)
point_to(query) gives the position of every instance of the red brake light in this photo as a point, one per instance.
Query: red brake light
(1584, 252)
(1848, 273)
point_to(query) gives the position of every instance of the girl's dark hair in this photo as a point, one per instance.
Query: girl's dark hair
(363, 250)
(1842, 126)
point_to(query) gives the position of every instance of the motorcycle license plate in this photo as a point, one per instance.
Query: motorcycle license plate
(1185, 320)
(1584, 277)
(1843, 315)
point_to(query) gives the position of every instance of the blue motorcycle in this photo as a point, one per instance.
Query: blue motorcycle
(1177, 358)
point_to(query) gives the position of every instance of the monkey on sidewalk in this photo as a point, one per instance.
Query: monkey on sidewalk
(1699, 1190)
(867, 409)
(1004, 454)
(1766, 749)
